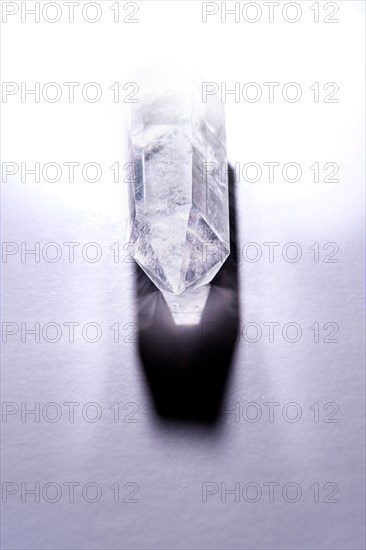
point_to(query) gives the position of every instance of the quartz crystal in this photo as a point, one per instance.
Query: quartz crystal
(178, 186)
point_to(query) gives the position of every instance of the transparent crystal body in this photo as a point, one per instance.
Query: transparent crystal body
(178, 187)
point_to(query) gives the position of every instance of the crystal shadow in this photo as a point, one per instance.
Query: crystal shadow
(187, 367)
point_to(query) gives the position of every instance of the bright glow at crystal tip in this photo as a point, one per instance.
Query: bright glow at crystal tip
(178, 193)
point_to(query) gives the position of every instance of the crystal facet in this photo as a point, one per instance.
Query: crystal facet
(179, 211)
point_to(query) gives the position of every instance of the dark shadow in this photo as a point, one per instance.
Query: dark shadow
(187, 367)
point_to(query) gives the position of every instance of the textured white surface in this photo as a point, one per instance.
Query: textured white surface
(170, 462)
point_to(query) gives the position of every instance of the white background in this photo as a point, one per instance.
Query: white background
(170, 461)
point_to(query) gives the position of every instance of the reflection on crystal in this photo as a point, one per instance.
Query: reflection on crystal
(178, 195)
(187, 308)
